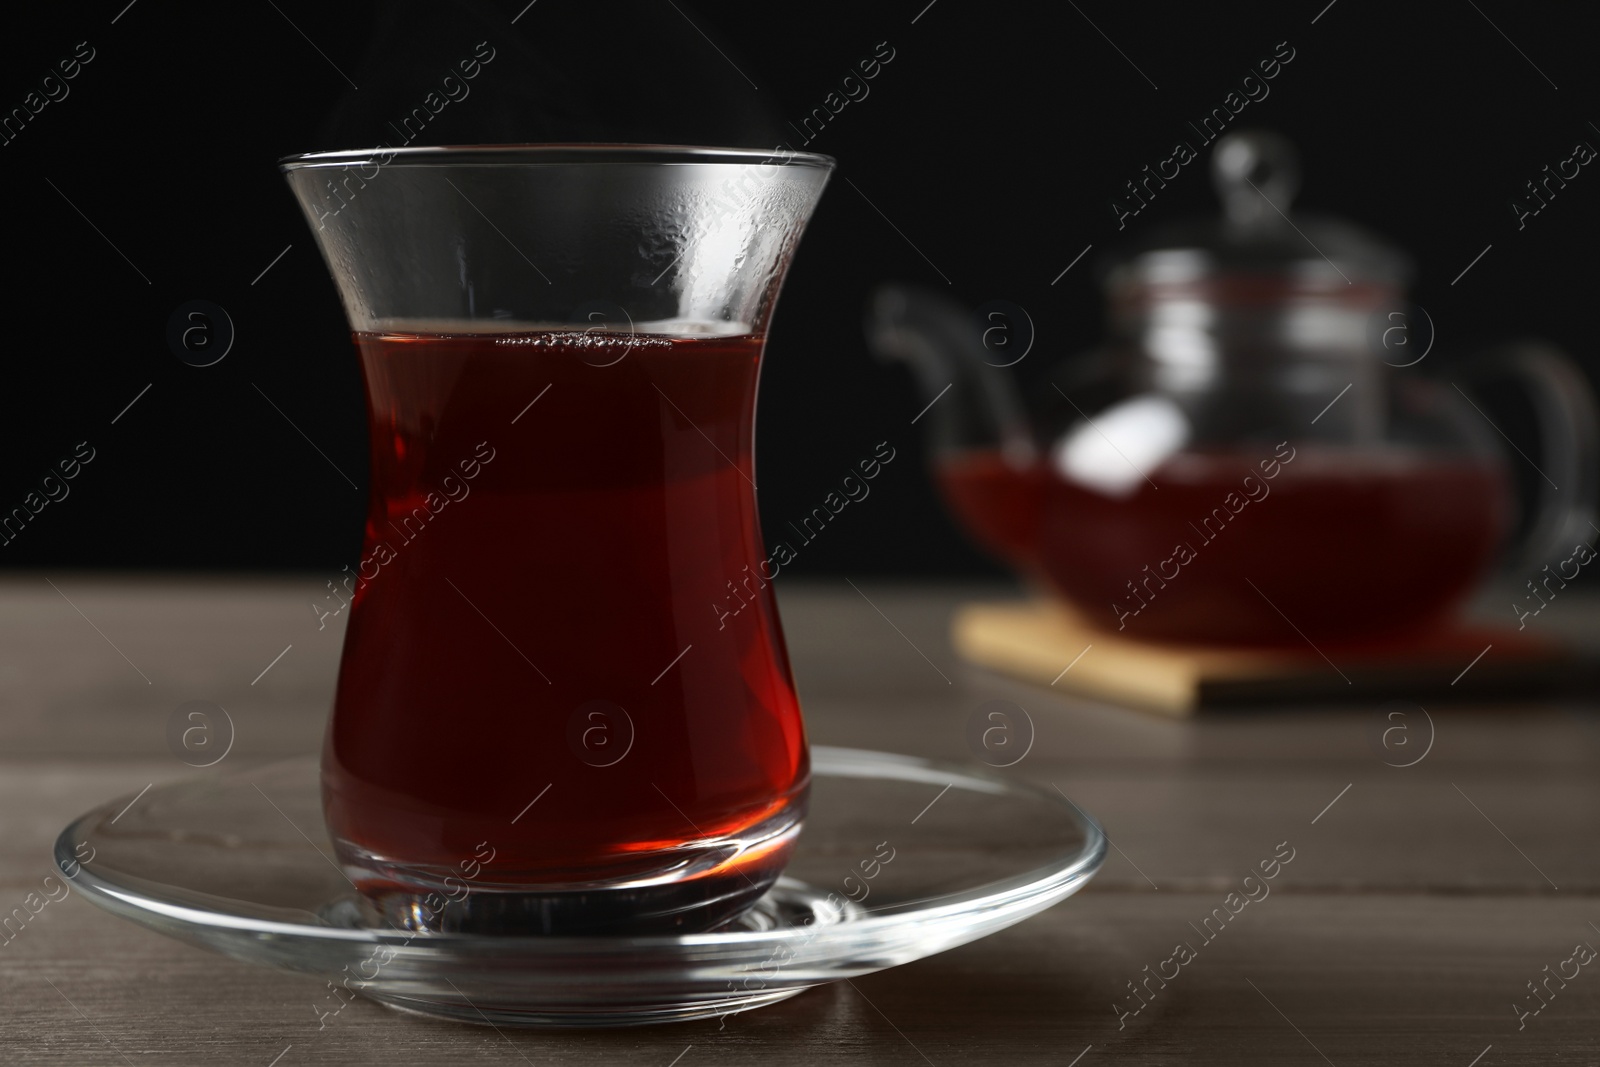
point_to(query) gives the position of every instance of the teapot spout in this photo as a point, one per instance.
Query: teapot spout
(972, 403)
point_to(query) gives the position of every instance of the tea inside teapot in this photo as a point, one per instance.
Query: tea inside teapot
(1245, 546)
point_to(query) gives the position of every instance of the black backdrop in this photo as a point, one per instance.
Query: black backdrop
(991, 145)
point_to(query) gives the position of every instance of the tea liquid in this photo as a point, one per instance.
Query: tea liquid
(1350, 545)
(537, 584)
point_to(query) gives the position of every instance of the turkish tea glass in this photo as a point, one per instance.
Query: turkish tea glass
(547, 719)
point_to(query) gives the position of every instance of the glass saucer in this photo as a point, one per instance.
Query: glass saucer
(900, 858)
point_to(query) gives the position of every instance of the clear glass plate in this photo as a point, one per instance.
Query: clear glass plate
(900, 858)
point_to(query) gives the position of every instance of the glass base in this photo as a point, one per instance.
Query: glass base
(644, 1014)
(689, 889)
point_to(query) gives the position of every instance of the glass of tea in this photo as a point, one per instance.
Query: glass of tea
(543, 722)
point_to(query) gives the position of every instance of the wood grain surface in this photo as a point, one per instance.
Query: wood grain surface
(1421, 902)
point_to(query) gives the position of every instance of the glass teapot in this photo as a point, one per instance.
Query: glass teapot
(1252, 456)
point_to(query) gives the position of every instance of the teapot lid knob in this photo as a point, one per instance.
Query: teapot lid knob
(1256, 174)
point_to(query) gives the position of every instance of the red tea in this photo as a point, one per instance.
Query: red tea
(1347, 545)
(534, 670)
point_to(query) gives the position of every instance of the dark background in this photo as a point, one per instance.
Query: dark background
(994, 140)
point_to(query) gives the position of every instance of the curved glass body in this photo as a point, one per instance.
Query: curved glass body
(543, 723)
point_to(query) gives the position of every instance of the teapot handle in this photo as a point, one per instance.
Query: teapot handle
(1569, 447)
(943, 344)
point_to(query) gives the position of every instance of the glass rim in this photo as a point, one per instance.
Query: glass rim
(554, 155)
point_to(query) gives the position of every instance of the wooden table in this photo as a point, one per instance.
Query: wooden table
(1420, 903)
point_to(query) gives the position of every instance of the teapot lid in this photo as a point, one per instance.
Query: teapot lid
(1256, 175)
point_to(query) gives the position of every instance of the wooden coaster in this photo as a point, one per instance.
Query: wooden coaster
(1050, 644)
